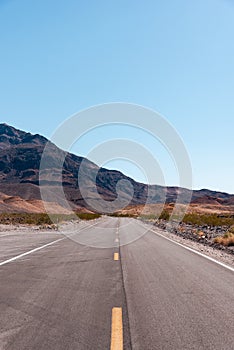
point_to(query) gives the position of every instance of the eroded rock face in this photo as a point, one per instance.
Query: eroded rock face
(20, 157)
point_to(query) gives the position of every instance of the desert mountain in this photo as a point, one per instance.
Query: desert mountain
(20, 159)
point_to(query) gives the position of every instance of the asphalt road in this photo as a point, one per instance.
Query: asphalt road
(57, 292)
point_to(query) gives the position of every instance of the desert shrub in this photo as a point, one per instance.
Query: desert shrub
(149, 217)
(165, 215)
(231, 229)
(121, 215)
(227, 239)
(24, 218)
(208, 219)
(88, 216)
(42, 219)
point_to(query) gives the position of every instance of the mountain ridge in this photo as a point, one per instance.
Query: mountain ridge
(20, 159)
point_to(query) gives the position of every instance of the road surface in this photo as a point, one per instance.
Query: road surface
(58, 293)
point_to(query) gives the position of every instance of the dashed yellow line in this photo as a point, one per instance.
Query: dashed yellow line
(116, 256)
(117, 329)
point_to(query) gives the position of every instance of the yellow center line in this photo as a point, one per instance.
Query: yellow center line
(116, 256)
(117, 329)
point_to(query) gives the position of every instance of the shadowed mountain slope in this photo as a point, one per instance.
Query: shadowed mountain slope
(20, 159)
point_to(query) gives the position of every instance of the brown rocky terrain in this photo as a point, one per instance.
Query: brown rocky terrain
(20, 158)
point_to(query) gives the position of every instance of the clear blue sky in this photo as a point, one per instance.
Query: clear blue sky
(176, 57)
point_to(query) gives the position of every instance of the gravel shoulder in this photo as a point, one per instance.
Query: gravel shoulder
(204, 245)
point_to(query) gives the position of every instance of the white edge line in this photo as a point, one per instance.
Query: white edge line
(195, 251)
(9, 235)
(29, 252)
(72, 233)
(44, 246)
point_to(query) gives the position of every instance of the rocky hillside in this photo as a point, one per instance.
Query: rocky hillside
(20, 157)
